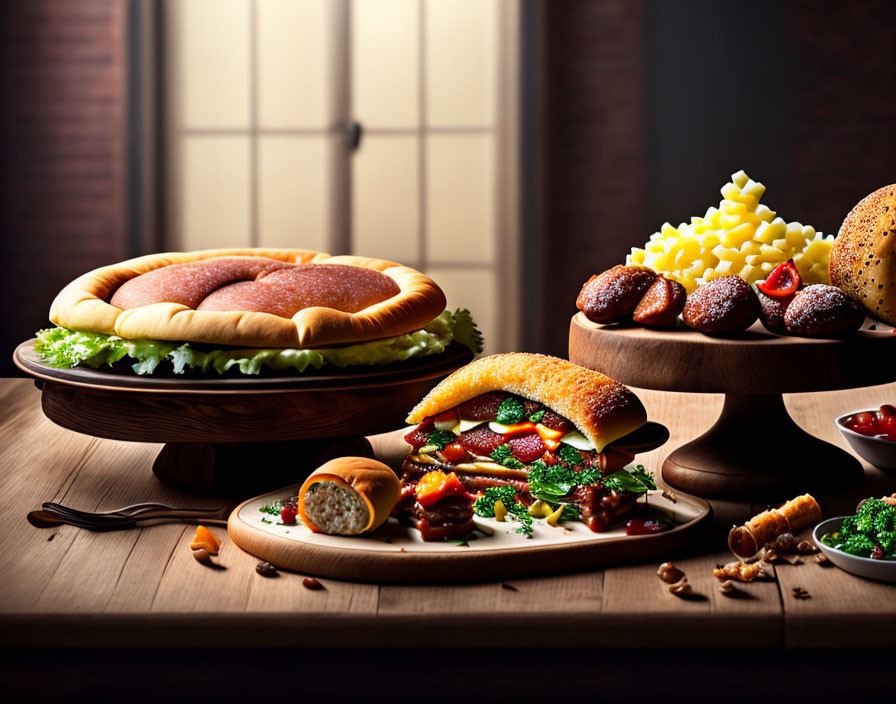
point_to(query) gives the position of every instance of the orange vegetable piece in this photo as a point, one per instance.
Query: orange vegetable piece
(436, 485)
(205, 540)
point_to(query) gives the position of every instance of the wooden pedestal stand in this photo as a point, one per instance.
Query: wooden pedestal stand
(239, 434)
(754, 450)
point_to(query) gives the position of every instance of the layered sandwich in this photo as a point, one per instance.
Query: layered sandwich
(248, 310)
(520, 435)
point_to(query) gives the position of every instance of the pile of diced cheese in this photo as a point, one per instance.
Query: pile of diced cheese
(740, 237)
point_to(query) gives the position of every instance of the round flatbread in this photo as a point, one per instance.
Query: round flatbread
(250, 298)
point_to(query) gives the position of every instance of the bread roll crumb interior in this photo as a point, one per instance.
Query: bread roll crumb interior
(336, 509)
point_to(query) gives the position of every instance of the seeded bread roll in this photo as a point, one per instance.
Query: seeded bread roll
(250, 298)
(348, 496)
(603, 410)
(863, 260)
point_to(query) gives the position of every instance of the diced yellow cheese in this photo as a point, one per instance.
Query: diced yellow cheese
(741, 236)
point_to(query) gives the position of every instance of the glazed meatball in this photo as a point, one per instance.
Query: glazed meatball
(723, 305)
(772, 312)
(613, 296)
(662, 304)
(823, 311)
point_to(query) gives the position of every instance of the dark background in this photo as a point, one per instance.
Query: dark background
(639, 111)
(635, 112)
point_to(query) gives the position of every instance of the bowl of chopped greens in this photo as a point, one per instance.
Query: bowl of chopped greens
(863, 544)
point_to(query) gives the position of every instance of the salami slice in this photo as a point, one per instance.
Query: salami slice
(527, 447)
(418, 436)
(481, 441)
(556, 422)
(484, 407)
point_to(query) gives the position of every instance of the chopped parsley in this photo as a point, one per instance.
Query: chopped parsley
(537, 416)
(273, 509)
(266, 520)
(638, 481)
(502, 455)
(511, 411)
(570, 455)
(552, 482)
(485, 506)
(440, 438)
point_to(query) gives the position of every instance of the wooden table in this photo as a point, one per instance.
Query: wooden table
(65, 586)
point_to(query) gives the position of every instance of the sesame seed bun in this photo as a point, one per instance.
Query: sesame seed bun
(863, 260)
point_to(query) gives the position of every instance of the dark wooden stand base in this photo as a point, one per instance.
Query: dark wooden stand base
(240, 468)
(241, 435)
(756, 450)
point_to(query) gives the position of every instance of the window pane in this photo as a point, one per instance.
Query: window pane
(212, 62)
(385, 199)
(474, 289)
(461, 57)
(385, 62)
(292, 191)
(460, 198)
(292, 63)
(214, 202)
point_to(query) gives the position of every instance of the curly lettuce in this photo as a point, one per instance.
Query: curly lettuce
(63, 348)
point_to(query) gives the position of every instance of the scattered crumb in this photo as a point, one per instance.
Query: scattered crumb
(800, 593)
(51, 537)
(669, 495)
(202, 556)
(312, 583)
(727, 587)
(823, 560)
(266, 569)
(669, 573)
(681, 587)
(741, 571)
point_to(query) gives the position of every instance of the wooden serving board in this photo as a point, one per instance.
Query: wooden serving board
(396, 554)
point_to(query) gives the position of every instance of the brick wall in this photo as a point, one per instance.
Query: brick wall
(62, 200)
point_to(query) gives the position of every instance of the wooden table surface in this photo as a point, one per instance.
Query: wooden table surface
(70, 587)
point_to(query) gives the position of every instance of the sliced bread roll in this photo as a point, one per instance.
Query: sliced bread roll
(348, 496)
(863, 260)
(602, 410)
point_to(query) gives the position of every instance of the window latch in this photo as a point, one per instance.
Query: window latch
(355, 131)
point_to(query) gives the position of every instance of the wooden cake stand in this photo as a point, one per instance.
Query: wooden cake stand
(754, 450)
(239, 433)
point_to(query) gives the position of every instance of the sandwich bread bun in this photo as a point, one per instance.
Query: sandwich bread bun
(863, 260)
(602, 410)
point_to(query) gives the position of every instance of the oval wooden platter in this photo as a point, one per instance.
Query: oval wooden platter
(396, 553)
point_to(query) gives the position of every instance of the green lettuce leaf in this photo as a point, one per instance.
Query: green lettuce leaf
(60, 347)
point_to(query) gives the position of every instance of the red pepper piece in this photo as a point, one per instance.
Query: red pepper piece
(455, 453)
(782, 282)
(434, 486)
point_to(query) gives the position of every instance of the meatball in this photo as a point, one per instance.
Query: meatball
(723, 305)
(823, 311)
(772, 312)
(661, 305)
(613, 296)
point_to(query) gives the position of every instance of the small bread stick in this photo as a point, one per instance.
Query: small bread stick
(747, 540)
